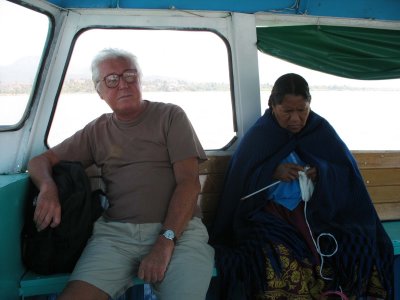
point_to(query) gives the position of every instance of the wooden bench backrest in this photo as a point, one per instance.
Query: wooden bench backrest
(380, 170)
(211, 173)
(381, 173)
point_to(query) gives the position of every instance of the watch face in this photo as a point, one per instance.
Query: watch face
(169, 234)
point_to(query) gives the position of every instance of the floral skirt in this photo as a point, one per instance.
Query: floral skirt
(301, 280)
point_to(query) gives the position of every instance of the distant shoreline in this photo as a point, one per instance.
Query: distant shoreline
(86, 86)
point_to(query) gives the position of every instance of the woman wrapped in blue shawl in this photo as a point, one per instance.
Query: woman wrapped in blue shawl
(277, 245)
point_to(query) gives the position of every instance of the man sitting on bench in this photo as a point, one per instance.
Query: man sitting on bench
(148, 153)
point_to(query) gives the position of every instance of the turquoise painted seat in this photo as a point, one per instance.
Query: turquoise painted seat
(13, 192)
(33, 284)
(393, 230)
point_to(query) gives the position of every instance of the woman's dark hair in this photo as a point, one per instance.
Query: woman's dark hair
(290, 83)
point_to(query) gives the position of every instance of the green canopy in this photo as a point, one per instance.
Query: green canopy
(352, 52)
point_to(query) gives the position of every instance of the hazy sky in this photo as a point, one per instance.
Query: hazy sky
(22, 29)
(173, 53)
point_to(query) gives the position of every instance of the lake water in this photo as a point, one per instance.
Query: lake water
(364, 120)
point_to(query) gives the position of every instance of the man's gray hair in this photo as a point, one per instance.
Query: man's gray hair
(111, 53)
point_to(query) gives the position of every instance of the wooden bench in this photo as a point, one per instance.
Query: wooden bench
(381, 173)
(380, 170)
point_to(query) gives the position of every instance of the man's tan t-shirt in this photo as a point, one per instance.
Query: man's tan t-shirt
(136, 159)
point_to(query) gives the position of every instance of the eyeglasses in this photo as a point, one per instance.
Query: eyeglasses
(112, 80)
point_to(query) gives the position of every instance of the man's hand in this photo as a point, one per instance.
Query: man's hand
(154, 265)
(180, 211)
(48, 208)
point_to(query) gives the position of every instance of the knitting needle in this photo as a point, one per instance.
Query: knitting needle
(260, 190)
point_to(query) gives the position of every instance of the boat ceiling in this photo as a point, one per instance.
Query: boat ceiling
(359, 9)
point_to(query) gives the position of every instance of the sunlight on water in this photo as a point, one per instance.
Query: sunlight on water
(209, 112)
(12, 108)
(364, 120)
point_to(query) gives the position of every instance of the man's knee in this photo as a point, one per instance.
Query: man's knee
(81, 290)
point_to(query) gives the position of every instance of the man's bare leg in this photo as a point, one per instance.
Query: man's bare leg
(80, 290)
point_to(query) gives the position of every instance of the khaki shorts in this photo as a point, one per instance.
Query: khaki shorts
(113, 254)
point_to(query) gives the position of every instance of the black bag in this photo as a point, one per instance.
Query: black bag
(56, 250)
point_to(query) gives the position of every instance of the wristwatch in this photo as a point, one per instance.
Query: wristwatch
(168, 234)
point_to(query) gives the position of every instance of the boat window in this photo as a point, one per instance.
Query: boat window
(20, 52)
(188, 68)
(364, 113)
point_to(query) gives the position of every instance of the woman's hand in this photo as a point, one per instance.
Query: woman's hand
(312, 174)
(287, 172)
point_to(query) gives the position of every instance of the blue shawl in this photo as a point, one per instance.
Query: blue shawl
(243, 233)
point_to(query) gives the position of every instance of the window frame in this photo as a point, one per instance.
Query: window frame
(167, 28)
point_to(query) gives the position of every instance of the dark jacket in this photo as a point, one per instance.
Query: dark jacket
(340, 205)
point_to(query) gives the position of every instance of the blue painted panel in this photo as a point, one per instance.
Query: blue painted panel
(364, 9)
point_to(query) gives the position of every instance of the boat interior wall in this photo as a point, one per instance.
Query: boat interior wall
(264, 19)
(243, 56)
(67, 24)
(363, 9)
(243, 26)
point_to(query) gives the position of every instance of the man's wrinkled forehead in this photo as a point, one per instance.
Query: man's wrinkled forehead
(115, 64)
